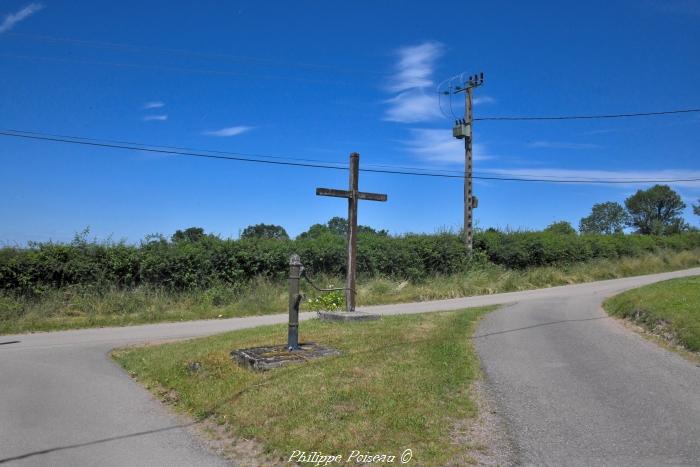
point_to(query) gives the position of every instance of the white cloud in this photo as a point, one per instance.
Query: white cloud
(411, 107)
(13, 18)
(415, 99)
(438, 145)
(635, 177)
(230, 131)
(153, 105)
(161, 118)
(562, 145)
(480, 100)
(415, 66)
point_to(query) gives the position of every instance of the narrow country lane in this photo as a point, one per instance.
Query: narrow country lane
(578, 388)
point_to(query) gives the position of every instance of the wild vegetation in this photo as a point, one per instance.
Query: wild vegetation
(198, 275)
(201, 262)
(87, 284)
(400, 398)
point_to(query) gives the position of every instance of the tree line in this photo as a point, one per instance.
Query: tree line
(335, 226)
(655, 211)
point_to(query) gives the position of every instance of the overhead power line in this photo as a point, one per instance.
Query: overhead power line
(589, 117)
(341, 165)
(193, 53)
(244, 158)
(177, 69)
(272, 62)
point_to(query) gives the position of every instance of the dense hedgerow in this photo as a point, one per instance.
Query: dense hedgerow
(526, 249)
(210, 261)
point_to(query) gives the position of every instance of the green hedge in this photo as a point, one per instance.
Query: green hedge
(526, 249)
(209, 261)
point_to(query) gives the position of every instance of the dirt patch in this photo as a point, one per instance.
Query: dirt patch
(485, 438)
(240, 451)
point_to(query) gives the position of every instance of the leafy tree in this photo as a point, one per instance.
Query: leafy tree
(314, 231)
(656, 211)
(696, 208)
(561, 228)
(153, 239)
(275, 232)
(605, 218)
(190, 234)
(339, 226)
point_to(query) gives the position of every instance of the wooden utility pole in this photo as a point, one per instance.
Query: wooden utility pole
(463, 130)
(468, 174)
(353, 195)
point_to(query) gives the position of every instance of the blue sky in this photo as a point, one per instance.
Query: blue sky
(318, 80)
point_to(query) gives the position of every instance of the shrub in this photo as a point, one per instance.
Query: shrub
(329, 301)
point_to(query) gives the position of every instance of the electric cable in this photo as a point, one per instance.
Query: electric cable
(157, 149)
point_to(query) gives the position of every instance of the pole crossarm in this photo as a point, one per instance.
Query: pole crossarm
(348, 194)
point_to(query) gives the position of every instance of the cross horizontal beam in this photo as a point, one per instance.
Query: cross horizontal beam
(348, 194)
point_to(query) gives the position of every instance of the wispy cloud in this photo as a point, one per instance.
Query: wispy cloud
(634, 176)
(480, 100)
(160, 118)
(439, 146)
(13, 18)
(415, 66)
(153, 105)
(562, 145)
(230, 131)
(414, 99)
(412, 107)
(601, 131)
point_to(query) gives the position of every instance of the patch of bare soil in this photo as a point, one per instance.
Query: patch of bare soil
(485, 438)
(240, 451)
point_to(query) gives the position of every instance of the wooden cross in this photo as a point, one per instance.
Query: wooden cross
(353, 195)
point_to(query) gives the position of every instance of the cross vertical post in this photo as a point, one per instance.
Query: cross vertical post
(353, 195)
(352, 232)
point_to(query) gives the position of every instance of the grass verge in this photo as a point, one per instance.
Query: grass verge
(400, 383)
(669, 309)
(80, 308)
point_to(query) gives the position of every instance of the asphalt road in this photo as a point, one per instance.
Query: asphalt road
(578, 388)
(574, 386)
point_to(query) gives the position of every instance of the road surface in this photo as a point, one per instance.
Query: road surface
(575, 387)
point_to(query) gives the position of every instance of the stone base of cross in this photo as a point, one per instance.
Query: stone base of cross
(353, 195)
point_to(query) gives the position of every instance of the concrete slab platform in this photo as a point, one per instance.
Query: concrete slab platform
(275, 356)
(345, 316)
